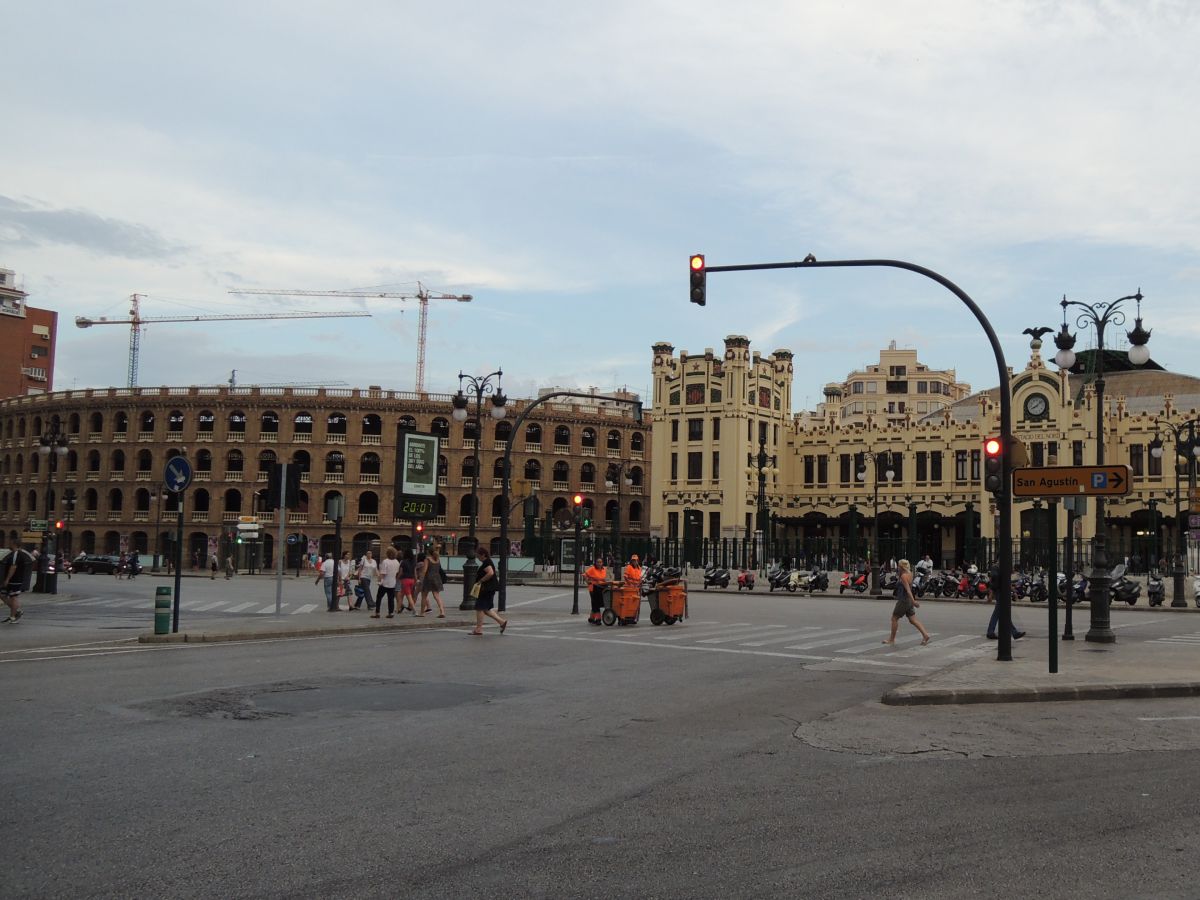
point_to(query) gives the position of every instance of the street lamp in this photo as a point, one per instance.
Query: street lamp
(1187, 445)
(1100, 316)
(762, 465)
(861, 475)
(479, 387)
(616, 476)
(52, 445)
(156, 495)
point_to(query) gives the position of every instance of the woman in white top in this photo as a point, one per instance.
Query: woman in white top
(368, 571)
(345, 567)
(388, 570)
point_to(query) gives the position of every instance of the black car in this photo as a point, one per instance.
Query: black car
(98, 564)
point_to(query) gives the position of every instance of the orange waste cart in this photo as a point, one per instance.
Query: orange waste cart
(668, 603)
(626, 602)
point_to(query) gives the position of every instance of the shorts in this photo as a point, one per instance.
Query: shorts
(13, 588)
(903, 608)
(406, 586)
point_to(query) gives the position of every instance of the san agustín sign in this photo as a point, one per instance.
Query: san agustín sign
(1072, 481)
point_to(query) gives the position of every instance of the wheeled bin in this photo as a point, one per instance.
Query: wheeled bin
(625, 604)
(668, 603)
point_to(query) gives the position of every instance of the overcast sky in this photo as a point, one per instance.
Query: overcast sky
(559, 161)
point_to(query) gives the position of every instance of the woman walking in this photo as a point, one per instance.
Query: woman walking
(345, 567)
(484, 590)
(388, 569)
(906, 605)
(408, 581)
(431, 583)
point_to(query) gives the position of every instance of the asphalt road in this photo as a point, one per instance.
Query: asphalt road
(560, 759)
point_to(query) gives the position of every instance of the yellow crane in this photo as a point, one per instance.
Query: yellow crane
(422, 294)
(135, 320)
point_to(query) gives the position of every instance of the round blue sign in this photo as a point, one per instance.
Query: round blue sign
(177, 474)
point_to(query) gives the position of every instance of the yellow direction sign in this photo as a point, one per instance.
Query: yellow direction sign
(31, 537)
(1072, 481)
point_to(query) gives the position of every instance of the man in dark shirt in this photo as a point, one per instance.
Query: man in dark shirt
(15, 570)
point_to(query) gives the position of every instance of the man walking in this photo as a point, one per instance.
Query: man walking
(15, 572)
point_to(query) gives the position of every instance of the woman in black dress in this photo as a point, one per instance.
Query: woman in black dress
(487, 580)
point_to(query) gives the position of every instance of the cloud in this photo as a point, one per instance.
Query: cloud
(26, 224)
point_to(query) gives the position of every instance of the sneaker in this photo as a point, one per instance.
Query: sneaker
(992, 637)
(1018, 635)
(18, 614)
(8, 620)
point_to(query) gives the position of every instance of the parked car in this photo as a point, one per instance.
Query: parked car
(98, 564)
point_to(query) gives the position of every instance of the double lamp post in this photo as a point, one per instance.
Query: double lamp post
(52, 446)
(1187, 446)
(889, 473)
(762, 465)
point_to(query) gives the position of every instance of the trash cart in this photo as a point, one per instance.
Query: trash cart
(668, 603)
(623, 605)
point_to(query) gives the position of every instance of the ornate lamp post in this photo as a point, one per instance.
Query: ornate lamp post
(156, 495)
(1187, 445)
(478, 387)
(52, 445)
(861, 475)
(1100, 316)
(617, 477)
(762, 465)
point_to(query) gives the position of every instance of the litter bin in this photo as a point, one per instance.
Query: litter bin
(162, 610)
(668, 603)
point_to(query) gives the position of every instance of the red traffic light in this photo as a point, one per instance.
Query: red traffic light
(697, 262)
(577, 499)
(420, 526)
(992, 446)
(59, 525)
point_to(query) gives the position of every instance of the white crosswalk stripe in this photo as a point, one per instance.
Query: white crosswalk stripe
(241, 606)
(306, 608)
(202, 607)
(761, 632)
(800, 634)
(1177, 639)
(878, 643)
(841, 638)
(940, 642)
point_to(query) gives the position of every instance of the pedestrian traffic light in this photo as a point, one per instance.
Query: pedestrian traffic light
(993, 465)
(586, 518)
(699, 278)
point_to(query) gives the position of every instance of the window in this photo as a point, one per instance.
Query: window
(822, 469)
(922, 466)
(844, 475)
(1135, 459)
(809, 469)
(872, 387)
(922, 387)
(1155, 467)
(1052, 452)
(695, 429)
(714, 525)
(856, 388)
(674, 466)
(1037, 456)
(674, 429)
(975, 456)
(716, 429)
(935, 466)
(695, 464)
(762, 432)
(898, 371)
(960, 465)
(673, 525)
(896, 463)
(39, 351)
(1077, 453)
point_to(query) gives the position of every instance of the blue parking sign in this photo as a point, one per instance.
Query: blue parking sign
(1100, 480)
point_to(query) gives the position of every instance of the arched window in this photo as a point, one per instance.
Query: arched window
(468, 467)
(533, 435)
(35, 464)
(141, 500)
(368, 503)
(635, 513)
(200, 500)
(637, 442)
(614, 440)
(146, 421)
(233, 501)
(470, 430)
(115, 500)
(533, 471)
(335, 463)
(204, 461)
(145, 461)
(302, 461)
(21, 428)
(498, 467)
(234, 461)
(443, 468)
(441, 506)
(368, 464)
(336, 424)
(73, 423)
(498, 507)
(175, 421)
(562, 436)
(17, 501)
(610, 512)
(205, 422)
(72, 461)
(503, 433)
(266, 459)
(635, 476)
(268, 422)
(439, 427)
(93, 464)
(408, 422)
(588, 438)
(562, 472)
(237, 422)
(587, 474)
(465, 505)
(91, 500)
(302, 424)
(373, 425)
(120, 422)
(558, 508)
(95, 423)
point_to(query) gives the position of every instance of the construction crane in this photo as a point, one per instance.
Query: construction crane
(422, 294)
(136, 320)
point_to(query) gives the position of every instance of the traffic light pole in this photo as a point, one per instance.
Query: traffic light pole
(1003, 586)
(279, 545)
(578, 550)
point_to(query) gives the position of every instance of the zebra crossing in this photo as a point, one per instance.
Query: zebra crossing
(1193, 639)
(146, 604)
(818, 647)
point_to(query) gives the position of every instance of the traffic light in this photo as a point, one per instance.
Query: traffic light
(699, 278)
(577, 508)
(993, 465)
(59, 525)
(420, 527)
(586, 517)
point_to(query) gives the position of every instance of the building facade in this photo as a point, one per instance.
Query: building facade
(831, 480)
(27, 337)
(344, 441)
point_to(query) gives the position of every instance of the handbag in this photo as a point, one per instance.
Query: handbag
(475, 588)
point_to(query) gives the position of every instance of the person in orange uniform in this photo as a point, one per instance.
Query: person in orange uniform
(597, 580)
(633, 573)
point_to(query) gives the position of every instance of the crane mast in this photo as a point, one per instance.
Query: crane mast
(422, 295)
(135, 320)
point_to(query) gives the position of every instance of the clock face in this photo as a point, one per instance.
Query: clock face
(1036, 406)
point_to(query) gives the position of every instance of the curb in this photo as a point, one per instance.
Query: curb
(1133, 691)
(212, 637)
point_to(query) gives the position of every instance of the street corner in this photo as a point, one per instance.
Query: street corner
(271, 631)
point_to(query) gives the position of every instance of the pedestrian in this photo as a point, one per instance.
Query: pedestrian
(906, 604)
(345, 569)
(230, 568)
(389, 568)
(195, 560)
(212, 566)
(368, 571)
(632, 576)
(550, 568)
(325, 575)
(408, 582)
(432, 582)
(15, 573)
(993, 577)
(484, 592)
(597, 580)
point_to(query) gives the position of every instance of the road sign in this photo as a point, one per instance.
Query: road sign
(177, 474)
(293, 538)
(248, 520)
(1067, 481)
(1194, 500)
(1193, 521)
(1194, 536)
(37, 525)
(31, 537)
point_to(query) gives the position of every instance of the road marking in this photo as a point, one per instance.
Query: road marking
(557, 596)
(939, 643)
(271, 608)
(706, 631)
(806, 631)
(306, 608)
(826, 641)
(241, 606)
(96, 644)
(878, 644)
(761, 632)
(1167, 718)
(201, 607)
(80, 655)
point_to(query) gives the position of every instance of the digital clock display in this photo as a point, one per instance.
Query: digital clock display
(417, 508)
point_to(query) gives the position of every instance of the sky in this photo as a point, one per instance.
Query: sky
(560, 161)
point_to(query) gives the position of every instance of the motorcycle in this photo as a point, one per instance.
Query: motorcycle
(1155, 591)
(777, 579)
(745, 580)
(715, 576)
(818, 582)
(1122, 588)
(856, 583)
(798, 581)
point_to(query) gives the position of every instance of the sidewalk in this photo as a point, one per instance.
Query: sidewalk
(1121, 671)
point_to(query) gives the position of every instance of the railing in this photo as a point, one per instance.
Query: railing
(268, 437)
(236, 437)
(204, 437)
(372, 439)
(335, 477)
(230, 516)
(199, 516)
(560, 486)
(305, 477)
(533, 448)
(143, 476)
(614, 454)
(202, 476)
(437, 520)
(500, 446)
(92, 476)
(562, 448)
(443, 481)
(368, 518)
(145, 436)
(369, 477)
(297, 518)
(302, 437)
(335, 439)
(495, 521)
(89, 515)
(497, 483)
(637, 454)
(95, 437)
(263, 476)
(464, 521)
(119, 437)
(115, 515)
(465, 482)
(588, 451)
(468, 443)
(140, 516)
(235, 476)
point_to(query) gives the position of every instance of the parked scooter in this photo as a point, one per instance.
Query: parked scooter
(819, 581)
(798, 580)
(777, 578)
(856, 583)
(1155, 591)
(745, 579)
(714, 576)
(1123, 589)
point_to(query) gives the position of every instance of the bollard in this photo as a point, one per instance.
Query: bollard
(162, 610)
